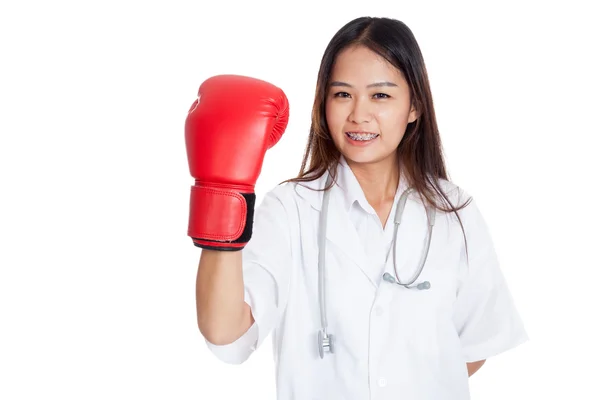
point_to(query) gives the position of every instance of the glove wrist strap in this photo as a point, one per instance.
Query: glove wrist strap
(219, 218)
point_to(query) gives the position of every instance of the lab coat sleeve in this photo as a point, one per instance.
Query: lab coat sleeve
(266, 264)
(485, 315)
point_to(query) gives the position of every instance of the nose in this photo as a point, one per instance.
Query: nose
(361, 111)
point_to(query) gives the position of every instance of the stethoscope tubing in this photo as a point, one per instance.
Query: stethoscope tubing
(324, 338)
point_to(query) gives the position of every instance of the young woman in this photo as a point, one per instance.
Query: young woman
(370, 290)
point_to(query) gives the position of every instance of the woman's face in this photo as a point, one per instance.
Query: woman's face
(367, 106)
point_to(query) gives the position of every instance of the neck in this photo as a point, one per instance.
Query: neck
(379, 181)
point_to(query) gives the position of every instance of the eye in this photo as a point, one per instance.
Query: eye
(381, 96)
(341, 94)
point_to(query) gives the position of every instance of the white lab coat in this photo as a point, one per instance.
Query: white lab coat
(390, 342)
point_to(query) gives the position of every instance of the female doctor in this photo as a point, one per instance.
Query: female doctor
(376, 276)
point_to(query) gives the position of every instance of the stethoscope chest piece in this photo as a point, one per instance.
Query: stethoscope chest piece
(325, 343)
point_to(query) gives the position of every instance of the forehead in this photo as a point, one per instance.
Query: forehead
(362, 66)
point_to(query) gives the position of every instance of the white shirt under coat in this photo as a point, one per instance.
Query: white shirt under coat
(390, 342)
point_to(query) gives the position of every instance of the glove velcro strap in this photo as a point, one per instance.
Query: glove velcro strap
(220, 218)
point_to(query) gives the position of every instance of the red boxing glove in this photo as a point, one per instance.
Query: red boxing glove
(228, 130)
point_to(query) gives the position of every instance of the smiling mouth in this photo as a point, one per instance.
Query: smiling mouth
(362, 136)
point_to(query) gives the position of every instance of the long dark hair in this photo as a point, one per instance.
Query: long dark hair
(420, 152)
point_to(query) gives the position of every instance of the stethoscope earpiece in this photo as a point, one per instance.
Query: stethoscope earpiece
(424, 285)
(388, 278)
(421, 286)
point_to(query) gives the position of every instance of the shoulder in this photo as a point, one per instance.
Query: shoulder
(471, 216)
(295, 194)
(468, 214)
(285, 210)
(457, 195)
(284, 193)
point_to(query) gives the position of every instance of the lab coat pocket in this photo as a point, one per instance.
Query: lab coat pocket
(431, 342)
(421, 326)
(420, 313)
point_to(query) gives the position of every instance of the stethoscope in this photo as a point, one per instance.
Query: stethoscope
(325, 339)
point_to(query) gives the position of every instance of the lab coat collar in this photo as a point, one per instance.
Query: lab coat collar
(341, 234)
(312, 191)
(351, 188)
(347, 183)
(353, 192)
(340, 231)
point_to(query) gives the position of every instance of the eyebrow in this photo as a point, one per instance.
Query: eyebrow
(377, 84)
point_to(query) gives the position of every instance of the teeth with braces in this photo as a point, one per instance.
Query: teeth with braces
(362, 136)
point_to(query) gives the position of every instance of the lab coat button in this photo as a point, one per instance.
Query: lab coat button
(382, 382)
(378, 310)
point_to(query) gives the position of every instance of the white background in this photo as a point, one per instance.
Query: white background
(97, 284)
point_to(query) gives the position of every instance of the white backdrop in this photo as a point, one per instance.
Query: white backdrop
(97, 284)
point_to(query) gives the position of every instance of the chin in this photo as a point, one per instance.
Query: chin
(366, 157)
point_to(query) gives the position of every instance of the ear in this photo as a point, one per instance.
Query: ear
(413, 115)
